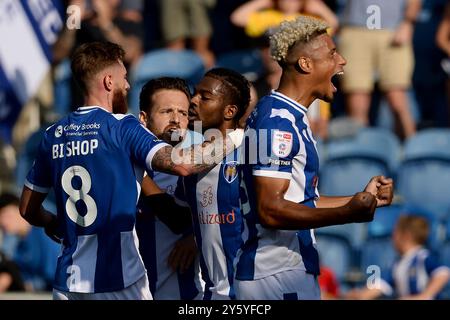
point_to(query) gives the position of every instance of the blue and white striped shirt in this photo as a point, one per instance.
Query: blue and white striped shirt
(156, 242)
(214, 199)
(281, 129)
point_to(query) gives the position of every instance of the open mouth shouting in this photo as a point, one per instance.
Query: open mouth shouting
(334, 79)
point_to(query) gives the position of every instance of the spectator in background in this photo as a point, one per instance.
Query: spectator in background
(443, 41)
(416, 275)
(104, 20)
(379, 42)
(443, 34)
(429, 78)
(184, 20)
(259, 17)
(117, 21)
(10, 278)
(36, 254)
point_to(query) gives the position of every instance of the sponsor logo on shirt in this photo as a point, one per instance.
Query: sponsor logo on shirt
(206, 197)
(281, 143)
(59, 131)
(216, 218)
(278, 162)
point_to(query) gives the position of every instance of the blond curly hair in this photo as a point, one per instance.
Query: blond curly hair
(302, 29)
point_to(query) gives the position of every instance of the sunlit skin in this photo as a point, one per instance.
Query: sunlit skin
(310, 68)
(120, 92)
(168, 117)
(289, 6)
(211, 106)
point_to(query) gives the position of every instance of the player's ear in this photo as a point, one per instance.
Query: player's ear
(230, 111)
(143, 117)
(108, 82)
(304, 64)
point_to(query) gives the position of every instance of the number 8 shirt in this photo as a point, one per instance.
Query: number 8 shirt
(94, 161)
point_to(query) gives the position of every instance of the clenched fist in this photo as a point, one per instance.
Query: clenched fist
(382, 188)
(362, 207)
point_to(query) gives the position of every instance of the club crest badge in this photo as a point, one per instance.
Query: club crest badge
(230, 171)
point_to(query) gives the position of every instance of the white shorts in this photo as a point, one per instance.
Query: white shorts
(140, 290)
(286, 285)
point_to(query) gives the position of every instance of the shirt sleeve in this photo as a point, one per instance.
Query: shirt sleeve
(278, 143)
(39, 177)
(139, 142)
(432, 266)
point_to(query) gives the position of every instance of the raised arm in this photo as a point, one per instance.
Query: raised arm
(276, 212)
(241, 15)
(379, 186)
(198, 158)
(320, 9)
(404, 31)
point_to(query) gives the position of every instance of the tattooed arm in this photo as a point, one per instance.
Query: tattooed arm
(198, 158)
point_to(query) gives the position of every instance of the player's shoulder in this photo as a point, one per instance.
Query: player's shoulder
(122, 117)
(124, 121)
(56, 130)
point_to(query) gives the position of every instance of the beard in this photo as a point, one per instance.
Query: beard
(174, 137)
(119, 102)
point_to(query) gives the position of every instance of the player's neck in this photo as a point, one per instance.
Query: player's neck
(96, 100)
(296, 88)
(227, 126)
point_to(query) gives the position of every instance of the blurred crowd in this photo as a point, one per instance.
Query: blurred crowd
(397, 78)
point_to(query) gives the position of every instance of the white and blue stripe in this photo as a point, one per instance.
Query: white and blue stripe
(268, 251)
(218, 225)
(156, 243)
(411, 274)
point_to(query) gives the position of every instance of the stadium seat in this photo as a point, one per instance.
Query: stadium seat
(349, 172)
(354, 233)
(386, 144)
(384, 221)
(378, 251)
(246, 62)
(336, 253)
(423, 178)
(185, 64)
(430, 143)
(351, 162)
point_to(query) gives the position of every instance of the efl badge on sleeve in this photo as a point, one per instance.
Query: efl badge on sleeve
(281, 143)
(230, 171)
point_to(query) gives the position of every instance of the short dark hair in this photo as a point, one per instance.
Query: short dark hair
(238, 87)
(163, 83)
(7, 199)
(91, 58)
